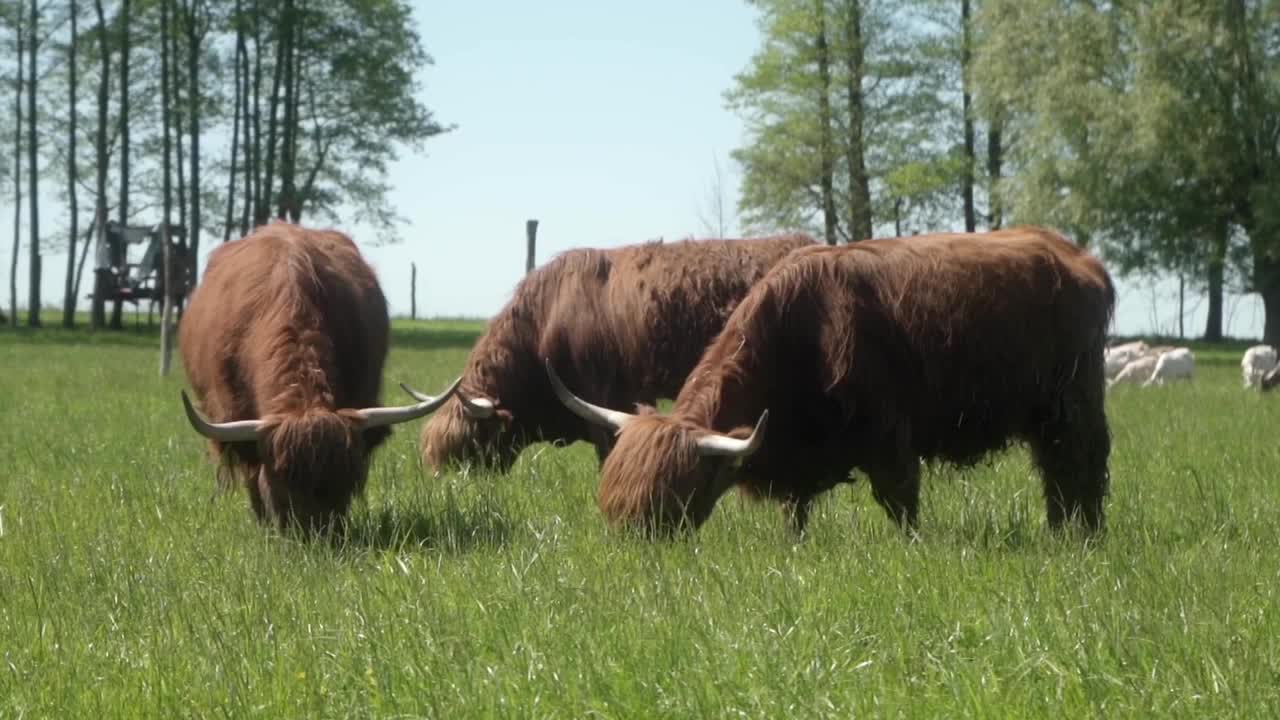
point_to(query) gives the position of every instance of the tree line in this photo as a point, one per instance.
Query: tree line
(1147, 129)
(125, 107)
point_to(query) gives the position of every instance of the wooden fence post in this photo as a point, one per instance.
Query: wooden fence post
(531, 233)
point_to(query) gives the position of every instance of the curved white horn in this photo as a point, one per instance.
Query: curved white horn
(604, 417)
(380, 416)
(717, 444)
(235, 431)
(478, 408)
(474, 408)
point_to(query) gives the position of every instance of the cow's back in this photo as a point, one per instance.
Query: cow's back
(953, 344)
(284, 306)
(667, 302)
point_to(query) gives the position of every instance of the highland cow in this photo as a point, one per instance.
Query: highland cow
(873, 356)
(625, 325)
(284, 343)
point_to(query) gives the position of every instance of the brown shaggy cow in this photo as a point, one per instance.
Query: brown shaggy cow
(284, 343)
(625, 325)
(873, 356)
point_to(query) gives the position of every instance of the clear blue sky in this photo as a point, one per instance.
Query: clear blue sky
(600, 119)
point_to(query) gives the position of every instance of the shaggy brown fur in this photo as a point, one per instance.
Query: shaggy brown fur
(624, 325)
(877, 354)
(290, 325)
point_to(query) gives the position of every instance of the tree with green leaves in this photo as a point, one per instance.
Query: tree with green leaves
(845, 94)
(318, 97)
(1153, 128)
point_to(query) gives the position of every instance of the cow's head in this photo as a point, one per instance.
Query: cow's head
(313, 462)
(469, 429)
(664, 473)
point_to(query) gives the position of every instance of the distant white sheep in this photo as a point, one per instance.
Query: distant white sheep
(1119, 356)
(1257, 362)
(1135, 372)
(1176, 364)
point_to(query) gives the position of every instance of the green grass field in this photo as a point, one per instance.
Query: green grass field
(130, 587)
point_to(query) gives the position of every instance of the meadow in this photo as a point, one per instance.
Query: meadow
(131, 587)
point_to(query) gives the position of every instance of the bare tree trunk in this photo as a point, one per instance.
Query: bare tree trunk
(995, 157)
(166, 110)
(826, 150)
(272, 129)
(98, 315)
(1217, 271)
(288, 164)
(298, 197)
(966, 176)
(193, 104)
(1267, 281)
(860, 227)
(1182, 301)
(17, 171)
(124, 19)
(85, 244)
(33, 173)
(413, 291)
(259, 201)
(242, 53)
(69, 295)
(235, 133)
(176, 97)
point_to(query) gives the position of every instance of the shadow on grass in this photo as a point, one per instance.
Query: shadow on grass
(452, 530)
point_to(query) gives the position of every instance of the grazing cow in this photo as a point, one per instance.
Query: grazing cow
(625, 325)
(872, 356)
(1119, 356)
(1256, 363)
(1173, 364)
(284, 343)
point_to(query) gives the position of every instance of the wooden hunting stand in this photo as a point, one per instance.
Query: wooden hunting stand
(117, 279)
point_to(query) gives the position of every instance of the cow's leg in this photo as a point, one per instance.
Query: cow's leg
(1072, 454)
(895, 485)
(259, 498)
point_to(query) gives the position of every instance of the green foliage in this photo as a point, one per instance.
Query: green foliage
(1137, 123)
(360, 105)
(129, 586)
(360, 101)
(904, 122)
